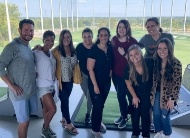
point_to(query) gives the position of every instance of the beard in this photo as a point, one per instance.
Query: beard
(26, 38)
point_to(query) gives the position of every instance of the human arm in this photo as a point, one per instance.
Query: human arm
(176, 84)
(90, 67)
(119, 49)
(122, 52)
(154, 84)
(37, 47)
(6, 58)
(18, 90)
(136, 100)
(142, 42)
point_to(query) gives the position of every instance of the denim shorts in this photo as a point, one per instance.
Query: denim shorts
(45, 90)
(23, 108)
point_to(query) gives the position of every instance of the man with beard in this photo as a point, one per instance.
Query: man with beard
(17, 70)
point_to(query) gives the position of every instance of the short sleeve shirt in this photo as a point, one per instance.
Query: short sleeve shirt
(82, 55)
(150, 44)
(142, 88)
(103, 63)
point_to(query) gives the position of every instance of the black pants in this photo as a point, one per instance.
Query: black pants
(122, 92)
(98, 101)
(64, 98)
(143, 112)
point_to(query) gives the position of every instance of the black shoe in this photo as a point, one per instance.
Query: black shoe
(134, 136)
(87, 119)
(118, 120)
(122, 124)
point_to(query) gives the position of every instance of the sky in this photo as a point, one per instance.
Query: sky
(101, 8)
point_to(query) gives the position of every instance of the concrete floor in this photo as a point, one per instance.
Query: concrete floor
(8, 125)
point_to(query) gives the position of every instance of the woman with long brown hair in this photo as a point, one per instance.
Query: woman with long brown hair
(66, 59)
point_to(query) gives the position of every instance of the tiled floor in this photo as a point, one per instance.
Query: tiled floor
(8, 125)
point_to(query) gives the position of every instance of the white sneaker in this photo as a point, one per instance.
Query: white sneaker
(159, 135)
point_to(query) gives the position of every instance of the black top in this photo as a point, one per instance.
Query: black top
(82, 55)
(143, 87)
(103, 63)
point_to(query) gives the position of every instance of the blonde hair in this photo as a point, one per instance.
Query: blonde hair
(133, 72)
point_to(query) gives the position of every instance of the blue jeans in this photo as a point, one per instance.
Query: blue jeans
(162, 120)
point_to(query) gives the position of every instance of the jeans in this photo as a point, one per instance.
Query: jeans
(64, 98)
(143, 112)
(122, 91)
(84, 87)
(162, 120)
(98, 101)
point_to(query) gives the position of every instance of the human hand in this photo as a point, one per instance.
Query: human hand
(37, 47)
(96, 89)
(18, 90)
(121, 51)
(170, 104)
(136, 102)
(110, 73)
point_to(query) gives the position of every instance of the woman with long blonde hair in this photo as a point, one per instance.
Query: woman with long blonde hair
(138, 78)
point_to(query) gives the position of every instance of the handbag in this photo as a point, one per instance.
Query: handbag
(77, 76)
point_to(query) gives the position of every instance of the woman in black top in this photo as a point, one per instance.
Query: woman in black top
(138, 77)
(82, 50)
(99, 65)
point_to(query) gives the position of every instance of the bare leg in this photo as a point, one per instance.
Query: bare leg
(23, 129)
(49, 109)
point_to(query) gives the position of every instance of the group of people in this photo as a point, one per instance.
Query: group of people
(146, 85)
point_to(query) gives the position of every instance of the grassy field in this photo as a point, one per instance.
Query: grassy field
(182, 43)
(111, 109)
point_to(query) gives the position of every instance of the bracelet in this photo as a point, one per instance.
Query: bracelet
(125, 54)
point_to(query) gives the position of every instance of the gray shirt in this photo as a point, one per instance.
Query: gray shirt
(149, 43)
(17, 61)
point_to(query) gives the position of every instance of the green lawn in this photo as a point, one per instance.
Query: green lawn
(111, 110)
(182, 49)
